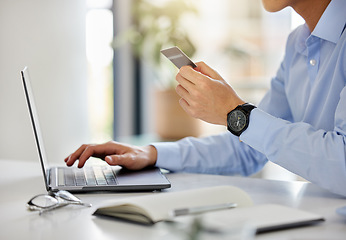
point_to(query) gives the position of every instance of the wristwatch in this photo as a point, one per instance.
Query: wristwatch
(238, 118)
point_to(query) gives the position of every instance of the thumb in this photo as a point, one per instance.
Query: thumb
(124, 160)
(115, 160)
(203, 68)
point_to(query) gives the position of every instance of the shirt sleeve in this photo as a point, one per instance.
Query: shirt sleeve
(220, 154)
(316, 155)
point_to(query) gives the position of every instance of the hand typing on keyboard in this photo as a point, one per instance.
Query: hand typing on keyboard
(114, 153)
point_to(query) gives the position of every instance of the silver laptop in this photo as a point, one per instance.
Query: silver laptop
(90, 178)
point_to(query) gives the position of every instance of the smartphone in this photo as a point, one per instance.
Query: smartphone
(178, 57)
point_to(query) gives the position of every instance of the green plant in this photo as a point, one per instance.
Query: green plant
(156, 25)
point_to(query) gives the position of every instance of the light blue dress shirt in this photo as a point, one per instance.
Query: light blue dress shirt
(301, 122)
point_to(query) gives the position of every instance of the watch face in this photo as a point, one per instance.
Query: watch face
(237, 120)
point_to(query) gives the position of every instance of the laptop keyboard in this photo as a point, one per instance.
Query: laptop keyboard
(88, 176)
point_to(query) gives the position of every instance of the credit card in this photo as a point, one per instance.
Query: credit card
(178, 57)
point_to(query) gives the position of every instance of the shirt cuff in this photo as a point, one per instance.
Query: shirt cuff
(260, 125)
(168, 155)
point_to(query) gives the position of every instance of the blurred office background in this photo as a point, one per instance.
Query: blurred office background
(97, 74)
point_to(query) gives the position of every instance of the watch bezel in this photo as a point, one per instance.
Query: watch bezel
(246, 110)
(235, 114)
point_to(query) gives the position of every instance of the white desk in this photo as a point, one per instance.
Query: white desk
(74, 222)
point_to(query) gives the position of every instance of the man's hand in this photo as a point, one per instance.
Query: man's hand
(205, 94)
(130, 157)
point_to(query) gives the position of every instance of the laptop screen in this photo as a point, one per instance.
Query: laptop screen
(35, 124)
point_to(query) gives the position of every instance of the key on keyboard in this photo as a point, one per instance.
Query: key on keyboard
(79, 177)
(109, 175)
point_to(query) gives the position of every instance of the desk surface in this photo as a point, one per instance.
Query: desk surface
(74, 222)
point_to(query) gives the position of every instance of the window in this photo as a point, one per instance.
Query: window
(99, 35)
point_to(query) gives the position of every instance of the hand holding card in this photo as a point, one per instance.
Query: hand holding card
(178, 57)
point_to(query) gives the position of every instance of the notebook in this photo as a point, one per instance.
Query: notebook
(91, 178)
(211, 205)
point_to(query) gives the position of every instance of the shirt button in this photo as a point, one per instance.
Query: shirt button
(312, 62)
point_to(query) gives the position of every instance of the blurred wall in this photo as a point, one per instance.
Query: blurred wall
(48, 36)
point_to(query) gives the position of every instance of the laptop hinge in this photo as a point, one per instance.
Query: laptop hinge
(49, 188)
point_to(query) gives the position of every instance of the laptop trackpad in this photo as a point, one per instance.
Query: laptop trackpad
(142, 177)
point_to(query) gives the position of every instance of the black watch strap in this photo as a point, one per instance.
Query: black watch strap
(247, 107)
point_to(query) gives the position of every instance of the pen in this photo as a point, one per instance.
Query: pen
(193, 210)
